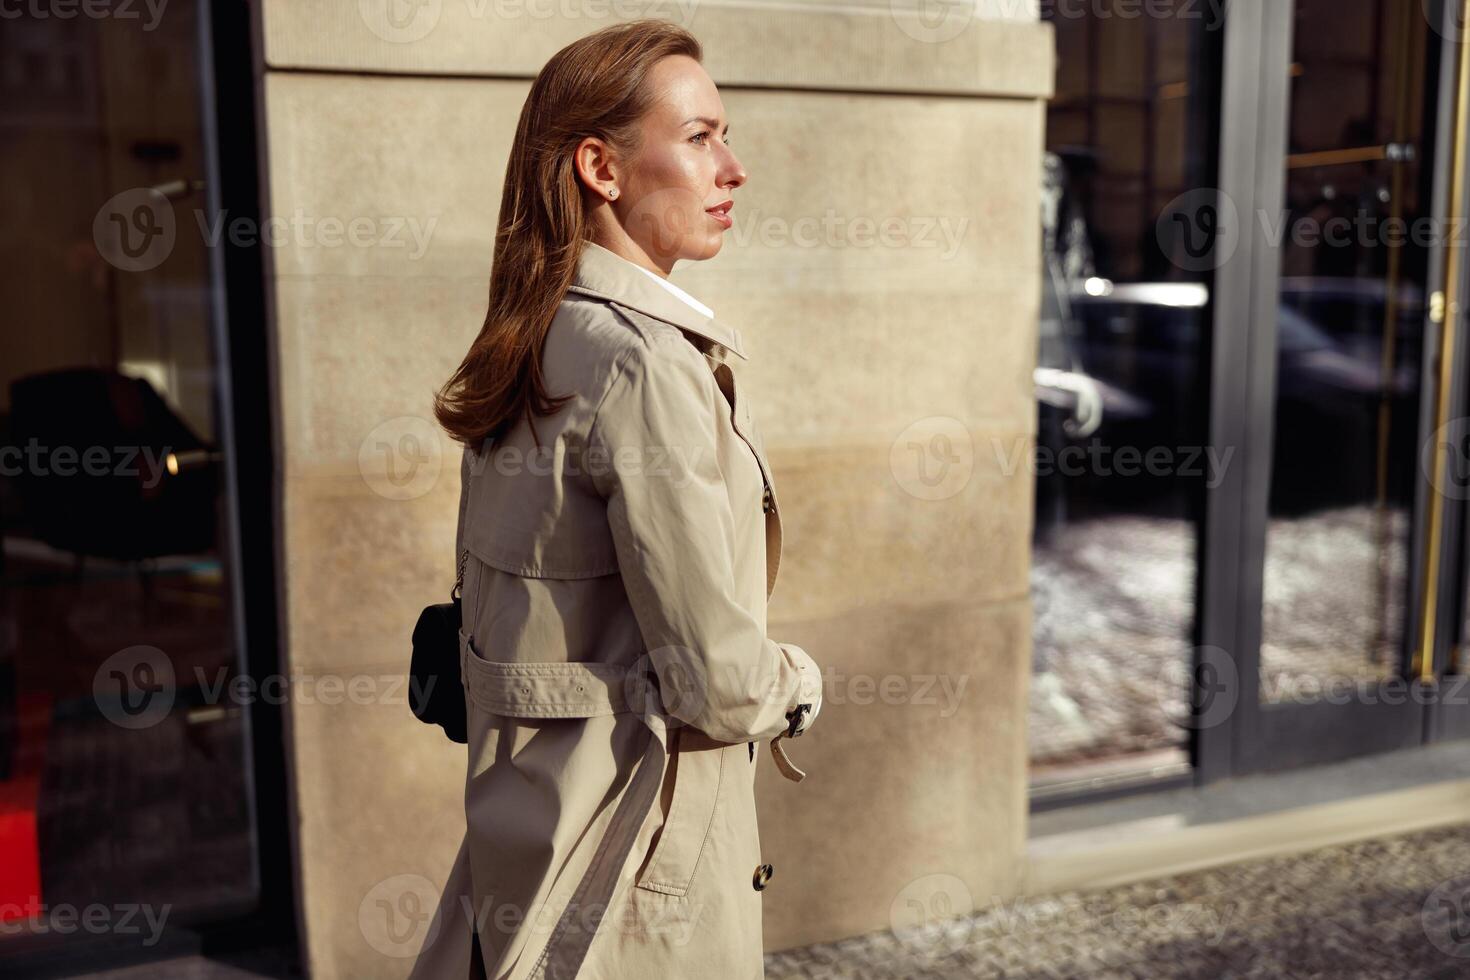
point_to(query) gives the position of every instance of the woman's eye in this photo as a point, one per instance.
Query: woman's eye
(697, 137)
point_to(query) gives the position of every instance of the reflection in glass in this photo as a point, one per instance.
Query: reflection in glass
(123, 756)
(1122, 396)
(1349, 349)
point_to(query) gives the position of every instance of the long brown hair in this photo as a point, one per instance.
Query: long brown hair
(592, 87)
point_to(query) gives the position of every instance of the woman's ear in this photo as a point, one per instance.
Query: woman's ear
(596, 168)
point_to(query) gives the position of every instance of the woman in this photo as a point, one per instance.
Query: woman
(619, 538)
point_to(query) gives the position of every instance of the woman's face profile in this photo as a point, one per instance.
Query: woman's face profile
(674, 197)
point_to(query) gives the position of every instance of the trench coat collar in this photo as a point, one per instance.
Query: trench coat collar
(604, 274)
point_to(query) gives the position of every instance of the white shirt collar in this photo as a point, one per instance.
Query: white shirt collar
(674, 289)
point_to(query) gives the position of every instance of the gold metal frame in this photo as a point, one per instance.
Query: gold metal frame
(1423, 666)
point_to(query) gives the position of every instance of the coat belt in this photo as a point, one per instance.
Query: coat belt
(553, 689)
(561, 689)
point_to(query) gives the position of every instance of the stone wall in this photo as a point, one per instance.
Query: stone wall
(885, 276)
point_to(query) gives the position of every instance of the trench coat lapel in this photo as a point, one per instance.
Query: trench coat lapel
(603, 274)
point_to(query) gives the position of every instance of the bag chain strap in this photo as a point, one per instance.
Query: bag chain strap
(459, 576)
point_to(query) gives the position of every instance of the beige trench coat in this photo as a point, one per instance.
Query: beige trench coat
(617, 671)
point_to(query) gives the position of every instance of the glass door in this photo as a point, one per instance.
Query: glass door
(1325, 618)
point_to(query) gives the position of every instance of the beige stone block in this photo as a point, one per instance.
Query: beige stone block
(360, 568)
(853, 368)
(397, 178)
(885, 268)
(369, 325)
(993, 48)
(380, 802)
(916, 766)
(359, 362)
(856, 534)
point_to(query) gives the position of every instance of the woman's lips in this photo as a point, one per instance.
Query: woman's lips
(721, 213)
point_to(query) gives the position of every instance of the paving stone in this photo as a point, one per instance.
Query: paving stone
(1350, 911)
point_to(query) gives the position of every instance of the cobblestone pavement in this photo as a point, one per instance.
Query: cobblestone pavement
(1394, 907)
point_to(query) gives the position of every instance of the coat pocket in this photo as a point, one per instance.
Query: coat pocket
(697, 774)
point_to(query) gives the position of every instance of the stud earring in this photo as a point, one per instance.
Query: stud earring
(613, 192)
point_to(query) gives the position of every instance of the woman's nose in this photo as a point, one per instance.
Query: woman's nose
(732, 172)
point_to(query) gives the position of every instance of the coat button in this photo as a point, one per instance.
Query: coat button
(766, 500)
(762, 875)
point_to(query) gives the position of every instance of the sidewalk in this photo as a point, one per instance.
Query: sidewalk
(1393, 907)
(1387, 908)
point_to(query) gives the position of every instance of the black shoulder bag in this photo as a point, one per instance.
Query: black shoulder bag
(435, 690)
